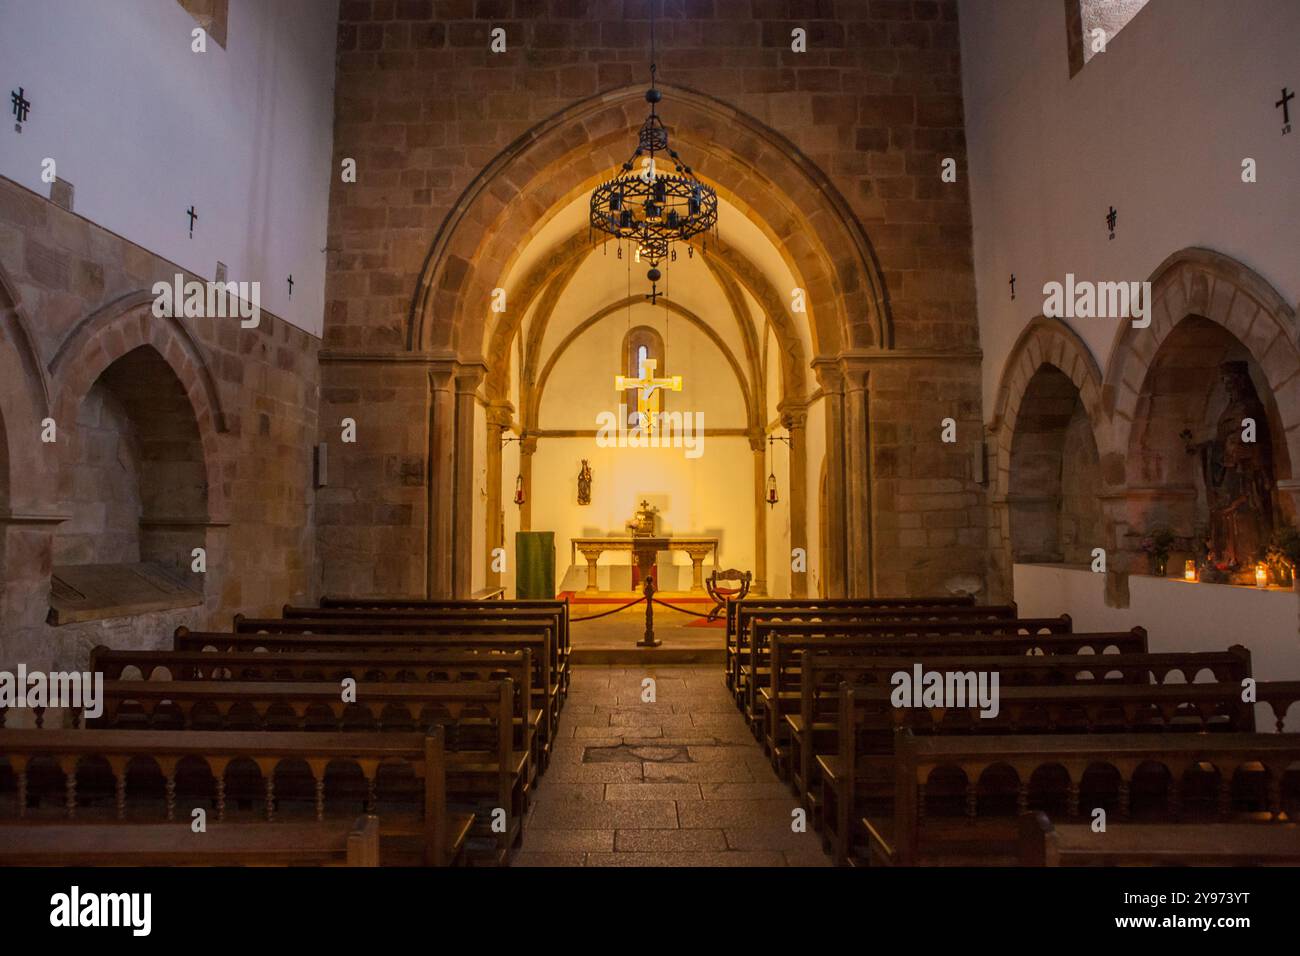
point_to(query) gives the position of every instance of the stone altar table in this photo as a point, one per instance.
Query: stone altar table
(644, 548)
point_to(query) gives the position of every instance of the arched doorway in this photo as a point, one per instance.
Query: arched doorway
(795, 265)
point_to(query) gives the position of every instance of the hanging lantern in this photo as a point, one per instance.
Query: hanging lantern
(772, 498)
(519, 489)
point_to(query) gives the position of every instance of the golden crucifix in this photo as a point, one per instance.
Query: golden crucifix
(647, 393)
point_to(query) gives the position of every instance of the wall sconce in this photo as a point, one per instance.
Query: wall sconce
(1189, 570)
(519, 488)
(1261, 575)
(772, 496)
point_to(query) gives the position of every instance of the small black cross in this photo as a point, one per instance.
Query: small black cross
(193, 216)
(1284, 102)
(653, 295)
(21, 105)
(291, 286)
(1111, 217)
(1013, 285)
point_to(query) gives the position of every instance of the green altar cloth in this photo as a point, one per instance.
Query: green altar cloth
(535, 564)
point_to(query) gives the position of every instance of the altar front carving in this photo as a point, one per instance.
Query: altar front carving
(644, 549)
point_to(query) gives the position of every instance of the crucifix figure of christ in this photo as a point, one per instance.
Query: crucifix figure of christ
(647, 393)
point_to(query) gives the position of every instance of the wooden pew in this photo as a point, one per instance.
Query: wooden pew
(63, 764)
(427, 665)
(798, 733)
(1248, 786)
(783, 604)
(859, 768)
(369, 646)
(747, 615)
(1043, 843)
(553, 613)
(559, 608)
(755, 671)
(176, 844)
(477, 718)
(461, 626)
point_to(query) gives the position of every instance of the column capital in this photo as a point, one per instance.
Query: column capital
(501, 414)
(527, 444)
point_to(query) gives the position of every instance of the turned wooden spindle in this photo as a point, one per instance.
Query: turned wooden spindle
(171, 795)
(70, 791)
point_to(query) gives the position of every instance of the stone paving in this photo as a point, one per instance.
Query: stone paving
(677, 782)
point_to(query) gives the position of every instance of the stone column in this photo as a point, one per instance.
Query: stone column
(527, 446)
(440, 469)
(859, 563)
(500, 415)
(468, 378)
(757, 444)
(794, 415)
(834, 570)
(593, 579)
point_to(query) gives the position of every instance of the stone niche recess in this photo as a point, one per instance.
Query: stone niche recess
(139, 493)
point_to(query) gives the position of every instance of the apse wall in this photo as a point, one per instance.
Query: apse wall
(1157, 126)
(710, 494)
(144, 128)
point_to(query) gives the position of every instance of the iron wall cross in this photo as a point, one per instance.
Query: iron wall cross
(291, 286)
(1285, 104)
(1012, 283)
(1111, 218)
(193, 218)
(21, 107)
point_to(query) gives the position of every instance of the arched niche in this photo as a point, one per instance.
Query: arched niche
(1055, 473)
(139, 491)
(1201, 385)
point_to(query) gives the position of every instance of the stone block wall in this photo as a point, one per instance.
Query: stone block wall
(423, 106)
(74, 298)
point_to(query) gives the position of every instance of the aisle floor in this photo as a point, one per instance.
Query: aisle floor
(677, 782)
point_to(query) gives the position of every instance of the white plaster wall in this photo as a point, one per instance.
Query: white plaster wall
(1178, 617)
(143, 128)
(581, 384)
(711, 495)
(1156, 126)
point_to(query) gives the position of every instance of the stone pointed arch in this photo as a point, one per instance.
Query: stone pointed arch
(1044, 343)
(1202, 282)
(761, 172)
(119, 328)
(1051, 342)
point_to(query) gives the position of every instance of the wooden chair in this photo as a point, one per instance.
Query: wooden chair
(722, 595)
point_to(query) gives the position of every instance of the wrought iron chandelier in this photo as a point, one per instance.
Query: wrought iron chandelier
(650, 208)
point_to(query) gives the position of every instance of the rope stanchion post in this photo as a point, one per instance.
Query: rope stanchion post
(649, 639)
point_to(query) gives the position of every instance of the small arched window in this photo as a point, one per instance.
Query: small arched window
(643, 346)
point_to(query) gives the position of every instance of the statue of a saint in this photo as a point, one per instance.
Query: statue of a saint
(584, 484)
(1238, 475)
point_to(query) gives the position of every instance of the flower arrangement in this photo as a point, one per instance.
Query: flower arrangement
(1283, 555)
(1158, 543)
